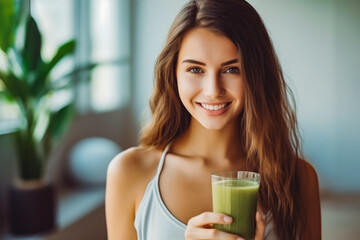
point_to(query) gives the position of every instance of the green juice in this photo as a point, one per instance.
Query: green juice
(237, 198)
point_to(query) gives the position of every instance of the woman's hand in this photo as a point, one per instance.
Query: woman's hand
(201, 227)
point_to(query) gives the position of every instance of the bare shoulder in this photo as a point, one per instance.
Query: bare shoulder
(136, 163)
(127, 178)
(129, 160)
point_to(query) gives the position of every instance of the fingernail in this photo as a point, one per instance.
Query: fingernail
(240, 238)
(227, 219)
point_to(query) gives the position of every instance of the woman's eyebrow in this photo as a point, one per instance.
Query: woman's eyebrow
(203, 64)
(230, 62)
(193, 61)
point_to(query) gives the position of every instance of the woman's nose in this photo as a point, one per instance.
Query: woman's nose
(212, 86)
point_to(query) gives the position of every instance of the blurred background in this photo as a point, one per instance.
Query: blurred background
(318, 44)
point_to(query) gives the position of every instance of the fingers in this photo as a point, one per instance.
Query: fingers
(207, 218)
(260, 226)
(198, 227)
(193, 233)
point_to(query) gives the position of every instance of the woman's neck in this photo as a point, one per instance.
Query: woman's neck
(215, 146)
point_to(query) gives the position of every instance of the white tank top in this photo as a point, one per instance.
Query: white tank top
(153, 221)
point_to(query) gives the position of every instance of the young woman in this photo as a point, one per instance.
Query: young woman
(220, 103)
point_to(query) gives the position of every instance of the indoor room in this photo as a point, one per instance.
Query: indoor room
(75, 81)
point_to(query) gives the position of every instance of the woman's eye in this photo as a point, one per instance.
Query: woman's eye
(195, 70)
(232, 70)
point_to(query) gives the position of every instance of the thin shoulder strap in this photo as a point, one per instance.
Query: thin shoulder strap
(162, 159)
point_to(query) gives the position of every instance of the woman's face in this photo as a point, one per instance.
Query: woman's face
(209, 78)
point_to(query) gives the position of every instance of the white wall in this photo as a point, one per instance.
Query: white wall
(318, 43)
(152, 21)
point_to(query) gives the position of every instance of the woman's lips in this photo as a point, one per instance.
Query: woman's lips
(214, 109)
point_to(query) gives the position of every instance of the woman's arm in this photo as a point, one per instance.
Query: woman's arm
(120, 199)
(310, 192)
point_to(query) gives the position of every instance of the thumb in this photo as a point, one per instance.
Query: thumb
(260, 226)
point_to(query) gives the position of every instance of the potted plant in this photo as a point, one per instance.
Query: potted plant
(25, 80)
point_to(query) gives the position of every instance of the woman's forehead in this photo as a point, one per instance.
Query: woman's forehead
(204, 45)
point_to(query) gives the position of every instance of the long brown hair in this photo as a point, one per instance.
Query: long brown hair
(268, 122)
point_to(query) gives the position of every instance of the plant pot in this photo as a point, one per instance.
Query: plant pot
(31, 210)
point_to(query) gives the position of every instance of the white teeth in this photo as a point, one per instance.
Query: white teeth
(213, 107)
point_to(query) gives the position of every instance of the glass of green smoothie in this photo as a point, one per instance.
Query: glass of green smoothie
(235, 193)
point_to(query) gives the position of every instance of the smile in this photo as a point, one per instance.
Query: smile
(214, 107)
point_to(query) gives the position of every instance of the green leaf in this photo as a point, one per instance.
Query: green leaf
(45, 68)
(7, 24)
(42, 121)
(62, 51)
(32, 49)
(67, 80)
(60, 120)
(6, 96)
(15, 86)
(58, 123)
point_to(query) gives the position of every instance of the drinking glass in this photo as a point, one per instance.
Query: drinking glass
(235, 193)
